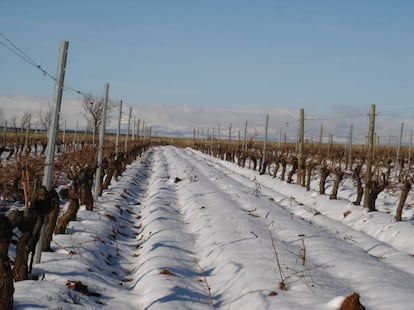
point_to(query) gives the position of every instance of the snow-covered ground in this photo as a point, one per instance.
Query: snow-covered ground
(182, 230)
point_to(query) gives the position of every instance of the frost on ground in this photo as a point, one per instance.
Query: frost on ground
(181, 230)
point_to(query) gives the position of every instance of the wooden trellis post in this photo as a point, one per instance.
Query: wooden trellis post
(98, 184)
(52, 133)
(370, 155)
(301, 145)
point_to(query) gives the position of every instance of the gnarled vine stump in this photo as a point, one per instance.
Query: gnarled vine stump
(85, 179)
(356, 175)
(339, 175)
(72, 210)
(324, 173)
(292, 171)
(50, 221)
(29, 222)
(6, 275)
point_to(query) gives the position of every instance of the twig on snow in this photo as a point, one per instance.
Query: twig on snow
(282, 284)
(211, 301)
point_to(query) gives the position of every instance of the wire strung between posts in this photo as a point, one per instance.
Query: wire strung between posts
(397, 111)
(18, 52)
(12, 47)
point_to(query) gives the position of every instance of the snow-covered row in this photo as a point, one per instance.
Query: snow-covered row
(166, 274)
(333, 251)
(379, 225)
(98, 250)
(181, 230)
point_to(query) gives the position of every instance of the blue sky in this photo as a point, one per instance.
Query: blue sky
(328, 57)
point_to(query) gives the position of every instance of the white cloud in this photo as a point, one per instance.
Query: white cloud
(180, 120)
(18, 106)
